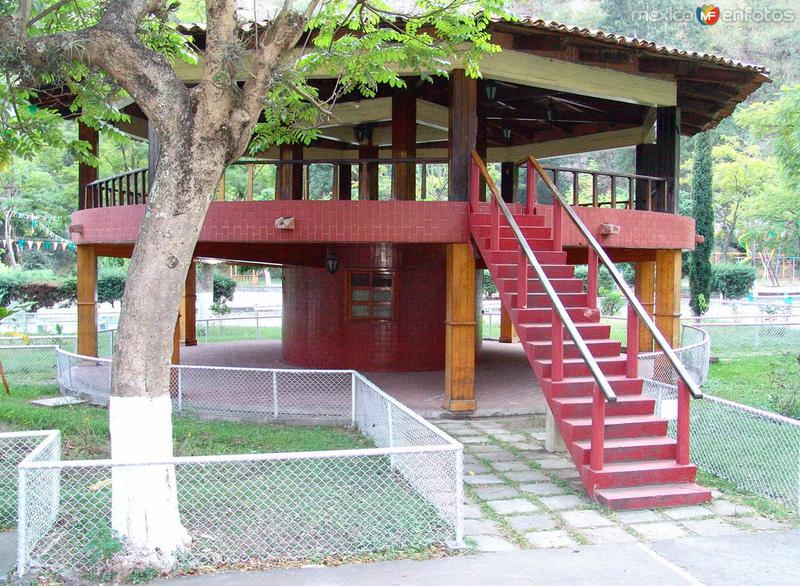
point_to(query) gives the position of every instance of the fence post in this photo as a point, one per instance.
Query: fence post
(682, 434)
(22, 520)
(353, 399)
(258, 337)
(274, 394)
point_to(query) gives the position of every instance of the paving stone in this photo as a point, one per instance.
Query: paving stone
(513, 466)
(527, 476)
(763, 524)
(501, 456)
(539, 435)
(480, 527)
(540, 522)
(658, 531)
(558, 538)
(541, 488)
(475, 469)
(510, 437)
(527, 446)
(482, 449)
(711, 527)
(562, 502)
(728, 509)
(643, 516)
(566, 473)
(472, 512)
(583, 519)
(513, 506)
(492, 543)
(496, 492)
(476, 439)
(555, 463)
(482, 479)
(692, 512)
(470, 459)
(604, 535)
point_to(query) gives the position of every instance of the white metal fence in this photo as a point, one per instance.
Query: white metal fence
(762, 338)
(756, 450)
(406, 492)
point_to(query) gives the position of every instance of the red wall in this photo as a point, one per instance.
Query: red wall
(317, 333)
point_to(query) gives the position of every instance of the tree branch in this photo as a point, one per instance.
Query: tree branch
(49, 10)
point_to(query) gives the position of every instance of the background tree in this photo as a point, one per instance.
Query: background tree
(97, 50)
(703, 212)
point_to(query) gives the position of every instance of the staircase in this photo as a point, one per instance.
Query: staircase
(639, 465)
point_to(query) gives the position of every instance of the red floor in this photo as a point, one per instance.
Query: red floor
(504, 382)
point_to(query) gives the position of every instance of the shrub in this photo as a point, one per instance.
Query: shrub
(224, 288)
(785, 382)
(732, 281)
(612, 301)
(604, 280)
(111, 285)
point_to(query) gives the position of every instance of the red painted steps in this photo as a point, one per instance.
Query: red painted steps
(640, 468)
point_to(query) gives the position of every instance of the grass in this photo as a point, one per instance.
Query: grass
(227, 333)
(745, 380)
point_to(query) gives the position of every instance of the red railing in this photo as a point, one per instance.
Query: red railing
(602, 391)
(129, 188)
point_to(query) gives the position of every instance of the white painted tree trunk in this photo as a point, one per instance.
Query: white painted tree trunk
(144, 510)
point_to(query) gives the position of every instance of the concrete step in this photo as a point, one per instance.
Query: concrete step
(598, 348)
(565, 407)
(580, 428)
(609, 365)
(657, 495)
(656, 447)
(639, 473)
(582, 386)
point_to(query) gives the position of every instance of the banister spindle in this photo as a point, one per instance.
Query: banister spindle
(522, 280)
(576, 189)
(632, 344)
(557, 355)
(598, 429)
(591, 278)
(530, 189)
(682, 426)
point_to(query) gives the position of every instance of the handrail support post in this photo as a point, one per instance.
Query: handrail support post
(632, 344)
(522, 280)
(591, 277)
(557, 356)
(597, 460)
(682, 434)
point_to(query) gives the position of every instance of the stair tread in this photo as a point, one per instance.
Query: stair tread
(626, 442)
(588, 341)
(619, 357)
(647, 490)
(615, 419)
(638, 465)
(587, 399)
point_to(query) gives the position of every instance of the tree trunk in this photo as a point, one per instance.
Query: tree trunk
(144, 504)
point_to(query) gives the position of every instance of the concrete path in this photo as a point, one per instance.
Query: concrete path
(8, 552)
(765, 558)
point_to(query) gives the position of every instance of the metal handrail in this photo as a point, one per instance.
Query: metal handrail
(694, 390)
(558, 306)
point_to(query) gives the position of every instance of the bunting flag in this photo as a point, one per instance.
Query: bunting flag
(53, 241)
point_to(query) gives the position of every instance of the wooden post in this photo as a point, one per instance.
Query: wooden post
(645, 289)
(508, 182)
(343, 183)
(189, 308)
(506, 327)
(87, 300)
(251, 171)
(87, 173)
(290, 177)
(660, 159)
(462, 132)
(176, 341)
(668, 295)
(368, 173)
(404, 142)
(459, 377)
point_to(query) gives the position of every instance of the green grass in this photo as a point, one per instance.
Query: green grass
(227, 333)
(84, 429)
(745, 380)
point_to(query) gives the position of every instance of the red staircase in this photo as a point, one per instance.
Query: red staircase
(636, 464)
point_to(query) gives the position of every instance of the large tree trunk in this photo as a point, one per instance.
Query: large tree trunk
(144, 504)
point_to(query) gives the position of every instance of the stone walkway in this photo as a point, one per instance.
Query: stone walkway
(517, 495)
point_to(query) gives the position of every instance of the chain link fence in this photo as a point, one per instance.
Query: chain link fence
(406, 492)
(730, 340)
(756, 450)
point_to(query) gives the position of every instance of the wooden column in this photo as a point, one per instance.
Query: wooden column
(459, 377)
(87, 173)
(189, 308)
(290, 177)
(343, 182)
(661, 159)
(368, 173)
(87, 300)
(645, 289)
(176, 343)
(668, 295)
(506, 327)
(508, 182)
(404, 143)
(462, 132)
